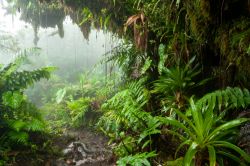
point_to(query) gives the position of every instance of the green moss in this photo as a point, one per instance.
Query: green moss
(222, 41)
(204, 7)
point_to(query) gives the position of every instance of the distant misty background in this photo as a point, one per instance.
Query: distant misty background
(72, 53)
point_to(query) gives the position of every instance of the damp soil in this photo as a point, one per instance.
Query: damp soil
(75, 147)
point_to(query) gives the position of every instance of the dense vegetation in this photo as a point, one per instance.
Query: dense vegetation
(21, 121)
(182, 97)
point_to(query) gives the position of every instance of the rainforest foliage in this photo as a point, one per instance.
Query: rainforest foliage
(20, 119)
(180, 96)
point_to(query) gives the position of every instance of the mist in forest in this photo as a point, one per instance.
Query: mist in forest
(70, 53)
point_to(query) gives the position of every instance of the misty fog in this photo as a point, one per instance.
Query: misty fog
(70, 53)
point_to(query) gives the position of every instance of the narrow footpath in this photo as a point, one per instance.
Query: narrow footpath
(84, 148)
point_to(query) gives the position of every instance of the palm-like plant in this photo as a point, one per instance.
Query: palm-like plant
(206, 134)
(175, 83)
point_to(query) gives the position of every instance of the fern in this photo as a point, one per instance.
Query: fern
(21, 59)
(126, 120)
(126, 107)
(8, 44)
(16, 125)
(230, 98)
(137, 159)
(12, 78)
(129, 59)
(78, 108)
(18, 137)
(18, 131)
(12, 99)
(18, 117)
(23, 79)
(35, 125)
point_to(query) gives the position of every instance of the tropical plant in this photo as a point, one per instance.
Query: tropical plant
(77, 110)
(227, 99)
(208, 136)
(125, 109)
(7, 43)
(137, 159)
(175, 84)
(219, 37)
(128, 58)
(14, 78)
(128, 125)
(18, 117)
(77, 104)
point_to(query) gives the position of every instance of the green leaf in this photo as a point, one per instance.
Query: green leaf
(18, 137)
(178, 3)
(146, 65)
(35, 125)
(172, 121)
(12, 99)
(177, 162)
(190, 154)
(17, 125)
(138, 159)
(233, 147)
(248, 50)
(197, 118)
(162, 58)
(60, 95)
(233, 157)
(146, 143)
(212, 155)
(226, 126)
(187, 142)
(185, 118)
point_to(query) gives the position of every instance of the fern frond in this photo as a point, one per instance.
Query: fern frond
(232, 98)
(137, 159)
(20, 59)
(35, 125)
(12, 99)
(16, 125)
(18, 137)
(126, 107)
(23, 79)
(26, 125)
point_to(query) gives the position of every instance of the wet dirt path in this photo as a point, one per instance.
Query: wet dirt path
(84, 148)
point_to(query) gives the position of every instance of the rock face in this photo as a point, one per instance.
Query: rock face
(244, 140)
(244, 136)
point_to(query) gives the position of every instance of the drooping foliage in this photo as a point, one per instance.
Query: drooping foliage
(38, 15)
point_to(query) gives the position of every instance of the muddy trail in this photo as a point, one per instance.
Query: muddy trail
(75, 147)
(83, 147)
